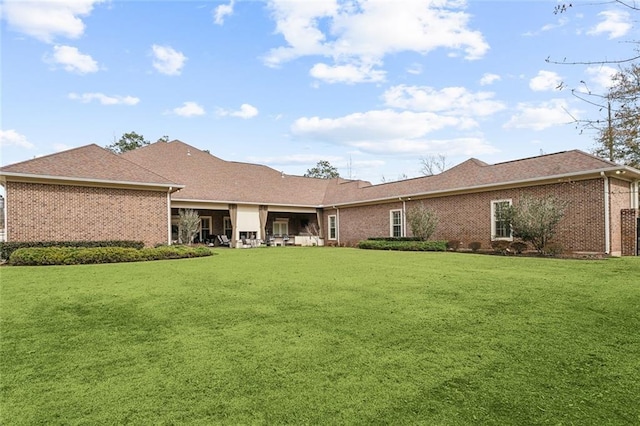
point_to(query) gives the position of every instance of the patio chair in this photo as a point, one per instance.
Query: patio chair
(224, 241)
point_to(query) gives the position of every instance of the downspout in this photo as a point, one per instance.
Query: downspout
(635, 194)
(607, 214)
(338, 225)
(5, 215)
(404, 215)
(169, 216)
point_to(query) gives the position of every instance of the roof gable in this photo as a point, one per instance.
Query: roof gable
(89, 162)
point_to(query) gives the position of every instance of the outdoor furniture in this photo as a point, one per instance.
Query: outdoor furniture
(224, 241)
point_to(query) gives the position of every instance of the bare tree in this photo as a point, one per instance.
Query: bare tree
(535, 220)
(433, 164)
(188, 225)
(422, 221)
(617, 127)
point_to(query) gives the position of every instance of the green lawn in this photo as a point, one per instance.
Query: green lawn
(323, 336)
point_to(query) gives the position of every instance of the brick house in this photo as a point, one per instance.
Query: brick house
(91, 193)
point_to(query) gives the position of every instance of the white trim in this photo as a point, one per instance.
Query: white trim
(335, 227)
(391, 223)
(56, 179)
(169, 240)
(493, 220)
(567, 177)
(607, 215)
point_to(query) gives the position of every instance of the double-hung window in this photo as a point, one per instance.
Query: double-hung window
(500, 226)
(396, 223)
(333, 227)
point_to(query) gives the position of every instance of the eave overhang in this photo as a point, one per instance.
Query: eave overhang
(619, 172)
(75, 181)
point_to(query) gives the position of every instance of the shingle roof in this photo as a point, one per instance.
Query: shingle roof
(475, 173)
(89, 162)
(207, 177)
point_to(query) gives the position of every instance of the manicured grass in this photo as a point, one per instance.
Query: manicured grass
(323, 336)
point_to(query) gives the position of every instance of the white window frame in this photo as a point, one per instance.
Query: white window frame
(207, 219)
(494, 236)
(279, 225)
(332, 225)
(392, 224)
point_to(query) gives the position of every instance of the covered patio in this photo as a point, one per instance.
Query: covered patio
(253, 225)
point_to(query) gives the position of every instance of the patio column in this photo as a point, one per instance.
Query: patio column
(233, 215)
(320, 226)
(263, 212)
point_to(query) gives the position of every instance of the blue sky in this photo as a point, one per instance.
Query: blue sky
(371, 86)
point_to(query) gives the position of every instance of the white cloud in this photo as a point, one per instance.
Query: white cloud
(450, 100)
(104, 99)
(385, 131)
(72, 60)
(542, 116)
(45, 20)
(59, 147)
(13, 138)
(616, 23)
(346, 73)
(601, 76)
(221, 11)
(167, 60)
(415, 69)
(189, 109)
(360, 33)
(246, 111)
(294, 159)
(545, 81)
(489, 78)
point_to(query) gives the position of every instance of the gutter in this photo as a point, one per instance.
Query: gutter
(491, 186)
(48, 178)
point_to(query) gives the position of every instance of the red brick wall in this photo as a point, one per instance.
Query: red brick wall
(467, 217)
(40, 212)
(628, 225)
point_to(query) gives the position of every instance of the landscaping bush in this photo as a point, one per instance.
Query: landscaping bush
(475, 246)
(6, 248)
(36, 256)
(453, 245)
(552, 249)
(518, 246)
(403, 245)
(500, 246)
(394, 239)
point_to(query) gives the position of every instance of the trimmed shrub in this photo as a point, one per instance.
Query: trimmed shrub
(475, 246)
(500, 246)
(518, 246)
(453, 245)
(37, 256)
(394, 239)
(6, 248)
(403, 245)
(553, 249)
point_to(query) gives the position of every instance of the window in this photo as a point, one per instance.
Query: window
(500, 227)
(396, 226)
(281, 227)
(333, 227)
(205, 228)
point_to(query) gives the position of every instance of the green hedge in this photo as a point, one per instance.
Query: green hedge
(394, 239)
(403, 245)
(36, 256)
(6, 248)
